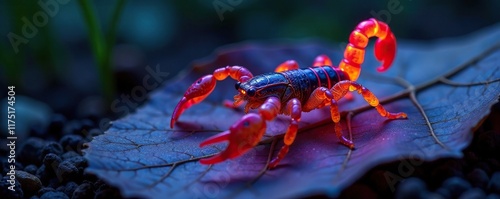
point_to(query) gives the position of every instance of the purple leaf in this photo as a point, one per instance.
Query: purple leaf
(446, 88)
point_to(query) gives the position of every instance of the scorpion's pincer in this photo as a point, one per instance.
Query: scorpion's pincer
(242, 136)
(196, 93)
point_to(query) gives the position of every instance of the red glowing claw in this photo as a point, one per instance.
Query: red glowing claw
(242, 136)
(200, 89)
(196, 93)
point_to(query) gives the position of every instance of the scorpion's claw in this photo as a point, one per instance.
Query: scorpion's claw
(196, 93)
(242, 136)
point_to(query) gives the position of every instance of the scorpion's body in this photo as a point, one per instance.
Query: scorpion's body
(290, 91)
(287, 85)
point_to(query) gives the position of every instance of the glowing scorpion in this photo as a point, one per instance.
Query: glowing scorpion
(290, 90)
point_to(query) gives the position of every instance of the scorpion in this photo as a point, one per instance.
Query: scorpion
(291, 90)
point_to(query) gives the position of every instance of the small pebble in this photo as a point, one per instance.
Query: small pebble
(85, 190)
(69, 188)
(474, 193)
(54, 182)
(494, 184)
(52, 147)
(77, 161)
(456, 186)
(45, 190)
(29, 182)
(30, 151)
(478, 178)
(31, 169)
(42, 175)
(52, 160)
(411, 188)
(54, 195)
(66, 171)
(72, 143)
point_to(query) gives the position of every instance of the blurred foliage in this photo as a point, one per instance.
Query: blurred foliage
(173, 33)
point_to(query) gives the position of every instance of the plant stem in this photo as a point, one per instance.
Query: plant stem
(114, 24)
(100, 49)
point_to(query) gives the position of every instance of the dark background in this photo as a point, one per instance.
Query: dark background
(55, 72)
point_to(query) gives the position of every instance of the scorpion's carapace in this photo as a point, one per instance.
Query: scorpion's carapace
(291, 91)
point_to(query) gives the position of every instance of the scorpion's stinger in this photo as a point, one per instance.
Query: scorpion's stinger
(385, 47)
(385, 51)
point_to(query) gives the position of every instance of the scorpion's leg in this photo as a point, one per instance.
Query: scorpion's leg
(321, 96)
(294, 109)
(287, 65)
(342, 87)
(245, 133)
(200, 89)
(322, 60)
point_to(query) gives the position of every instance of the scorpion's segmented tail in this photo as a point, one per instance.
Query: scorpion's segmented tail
(385, 47)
